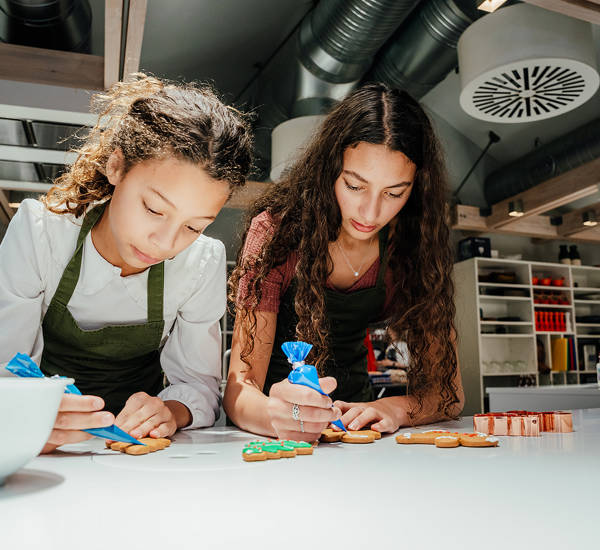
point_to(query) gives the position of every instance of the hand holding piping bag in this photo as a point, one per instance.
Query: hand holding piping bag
(301, 373)
(77, 413)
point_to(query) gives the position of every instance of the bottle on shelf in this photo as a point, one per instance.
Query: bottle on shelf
(574, 255)
(563, 254)
(598, 370)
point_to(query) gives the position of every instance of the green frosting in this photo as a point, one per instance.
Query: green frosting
(297, 444)
(248, 450)
(274, 446)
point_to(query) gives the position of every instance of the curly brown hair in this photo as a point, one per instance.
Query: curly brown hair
(308, 218)
(147, 118)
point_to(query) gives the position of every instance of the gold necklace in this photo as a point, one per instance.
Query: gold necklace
(355, 272)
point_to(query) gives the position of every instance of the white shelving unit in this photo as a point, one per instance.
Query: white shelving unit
(495, 322)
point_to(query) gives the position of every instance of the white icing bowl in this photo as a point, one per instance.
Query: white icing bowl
(28, 408)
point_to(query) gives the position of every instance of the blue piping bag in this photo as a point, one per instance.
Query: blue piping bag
(23, 365)
(305, 375)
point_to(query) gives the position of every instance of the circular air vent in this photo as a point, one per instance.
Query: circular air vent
(529, 90)
(513, 68)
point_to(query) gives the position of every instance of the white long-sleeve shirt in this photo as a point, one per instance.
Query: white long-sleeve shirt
(33, 256)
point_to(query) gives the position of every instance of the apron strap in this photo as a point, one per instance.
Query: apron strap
(383, 254)
(156, 285)
(70, 276)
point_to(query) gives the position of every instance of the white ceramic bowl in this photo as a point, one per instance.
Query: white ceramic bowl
(28, 408)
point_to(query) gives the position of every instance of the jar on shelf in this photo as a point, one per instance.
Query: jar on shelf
(563, 255)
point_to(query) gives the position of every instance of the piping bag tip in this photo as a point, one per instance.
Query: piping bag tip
(339, 424)
(113, 433)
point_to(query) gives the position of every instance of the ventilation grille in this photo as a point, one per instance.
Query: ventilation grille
(528, 91)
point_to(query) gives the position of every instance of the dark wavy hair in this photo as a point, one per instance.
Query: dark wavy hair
(308, 218)
(148, 118)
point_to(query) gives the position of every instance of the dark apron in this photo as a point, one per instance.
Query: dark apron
(112, 362)
(349, 314)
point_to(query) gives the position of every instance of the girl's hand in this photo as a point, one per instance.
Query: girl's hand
(314, 410)
(145, 415)
(380, 415)
(76, 413)
(385, 363)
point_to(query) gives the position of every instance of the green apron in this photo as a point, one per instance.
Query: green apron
(349, 314)
(112, 362)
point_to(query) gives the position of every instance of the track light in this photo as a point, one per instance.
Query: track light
(489, 5)
(589, 218)
(515, 208)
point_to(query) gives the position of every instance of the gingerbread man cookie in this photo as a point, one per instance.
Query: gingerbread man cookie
(151, 445)
(263, 450)
(351, 436)
(422, 438)
(444, 439)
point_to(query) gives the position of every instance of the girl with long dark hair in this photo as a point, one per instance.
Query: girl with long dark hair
(355, 232)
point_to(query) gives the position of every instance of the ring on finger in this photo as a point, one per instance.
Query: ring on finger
(295, 411)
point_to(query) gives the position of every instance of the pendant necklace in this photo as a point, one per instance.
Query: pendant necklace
(355, 272)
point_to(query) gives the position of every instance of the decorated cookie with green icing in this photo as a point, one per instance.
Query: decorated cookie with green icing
(262, 450)
(302, 447)
(252, 453)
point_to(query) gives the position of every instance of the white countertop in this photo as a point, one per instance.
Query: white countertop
(527, 493)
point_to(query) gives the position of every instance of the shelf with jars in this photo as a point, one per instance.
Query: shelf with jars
(524, 323)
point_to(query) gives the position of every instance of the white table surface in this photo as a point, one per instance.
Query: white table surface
(527, 493)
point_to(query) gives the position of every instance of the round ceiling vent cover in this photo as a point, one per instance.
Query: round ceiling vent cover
(514, 69)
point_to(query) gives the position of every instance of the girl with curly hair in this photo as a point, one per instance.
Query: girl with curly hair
(109, 280)
(354, 233)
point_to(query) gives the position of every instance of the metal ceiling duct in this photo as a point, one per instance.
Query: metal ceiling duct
(52, 24)
(564, 153)
(423, 50)
(325, 60)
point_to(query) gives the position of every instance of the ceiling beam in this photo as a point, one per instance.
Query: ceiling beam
(27, 186)
(53, 67)
(468, 219)
(6, 212)
(539, 227)
(35, 154)
(562, 189)
(588, 10)
(572, 222)
(135, 35)
(18, 112)
(591, 234)
(113, 24)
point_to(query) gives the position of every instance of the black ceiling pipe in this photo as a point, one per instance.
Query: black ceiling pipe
(561, 155)
(328, 55)
(51, 24)
(422, 51)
